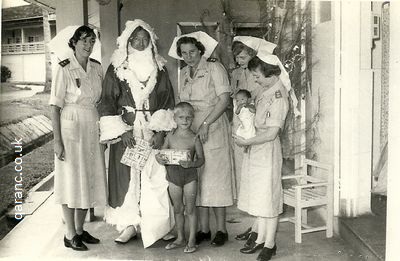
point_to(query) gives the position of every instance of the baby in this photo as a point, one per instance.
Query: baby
(182, 178)
(246, 113)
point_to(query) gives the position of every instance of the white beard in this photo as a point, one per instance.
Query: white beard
(142, 63)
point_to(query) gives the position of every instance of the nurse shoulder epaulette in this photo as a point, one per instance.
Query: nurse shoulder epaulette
(278, 94)
(212, 60)
(94, 60)
(63, 63)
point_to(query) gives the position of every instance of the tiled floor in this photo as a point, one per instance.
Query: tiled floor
(40, 236)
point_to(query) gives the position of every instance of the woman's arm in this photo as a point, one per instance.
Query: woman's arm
(219, 109)
(58, 144)
(262, 137)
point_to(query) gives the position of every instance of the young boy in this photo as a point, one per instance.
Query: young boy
(182, 178)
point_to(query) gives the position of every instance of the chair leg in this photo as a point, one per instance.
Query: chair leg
(329, 220)
(304, 216)
(297, 224)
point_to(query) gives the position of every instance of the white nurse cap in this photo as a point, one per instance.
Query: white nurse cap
(269, 58)
(209, 43)
(255, 43)
(59, 44)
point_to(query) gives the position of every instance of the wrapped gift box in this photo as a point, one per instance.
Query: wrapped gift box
(174, 156)
(137, 156)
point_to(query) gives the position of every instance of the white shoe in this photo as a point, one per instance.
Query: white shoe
(168, 237)
(126, 235)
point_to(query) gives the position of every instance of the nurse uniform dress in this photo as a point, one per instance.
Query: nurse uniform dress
(242, 79)
(209, 81)
(261, 186)
(79, 180)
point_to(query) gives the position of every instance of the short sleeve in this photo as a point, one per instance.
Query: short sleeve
(276, 114)
(220, 78)
(58, 88)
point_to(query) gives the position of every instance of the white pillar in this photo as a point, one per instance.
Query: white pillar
(393, 175)
(22, 35)
(355, 88)
(71, 12)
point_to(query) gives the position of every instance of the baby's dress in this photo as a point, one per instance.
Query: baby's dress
(246, 127)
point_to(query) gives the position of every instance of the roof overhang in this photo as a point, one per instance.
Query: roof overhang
(49, 5)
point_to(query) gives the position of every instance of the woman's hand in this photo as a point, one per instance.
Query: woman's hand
(157, 140)
(240, 141)
(160, 159)
(127, 139)
(128, 117)
(186, 164)
(202, 133)
(59, 150)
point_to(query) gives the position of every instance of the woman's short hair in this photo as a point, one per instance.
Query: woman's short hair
(189, 40)
(238, 47)
(136, 31)
(184, 106)
(267, 69)
(80, 33)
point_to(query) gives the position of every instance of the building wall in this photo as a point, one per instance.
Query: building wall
(321, 98)
(25, 68)
(36, 32)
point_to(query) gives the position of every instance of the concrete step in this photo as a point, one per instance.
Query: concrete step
(31, 204)
(366, 235)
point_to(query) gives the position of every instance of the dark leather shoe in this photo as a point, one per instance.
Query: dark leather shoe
(75, 243)
(88, 238)
(245, 235)
(251, 240)
(201, 236)
(267, 253)
(252, 249)
(220, 238)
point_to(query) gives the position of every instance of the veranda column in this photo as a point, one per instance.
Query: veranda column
(71, 12)
(355, 123)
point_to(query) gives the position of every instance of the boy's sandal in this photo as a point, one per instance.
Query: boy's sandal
(190, 249)
(174, 245)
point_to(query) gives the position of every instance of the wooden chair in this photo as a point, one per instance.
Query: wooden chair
(310, 192)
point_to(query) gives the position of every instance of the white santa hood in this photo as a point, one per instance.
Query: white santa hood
(120, 54)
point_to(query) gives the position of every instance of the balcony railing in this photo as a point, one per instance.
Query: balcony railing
(22, 48)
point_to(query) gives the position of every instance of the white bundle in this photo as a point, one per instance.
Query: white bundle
(162, 120)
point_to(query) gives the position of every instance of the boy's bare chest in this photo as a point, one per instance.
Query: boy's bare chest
(182, 143)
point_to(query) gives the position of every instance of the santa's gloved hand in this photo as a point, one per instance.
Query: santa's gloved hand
(128, 117)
